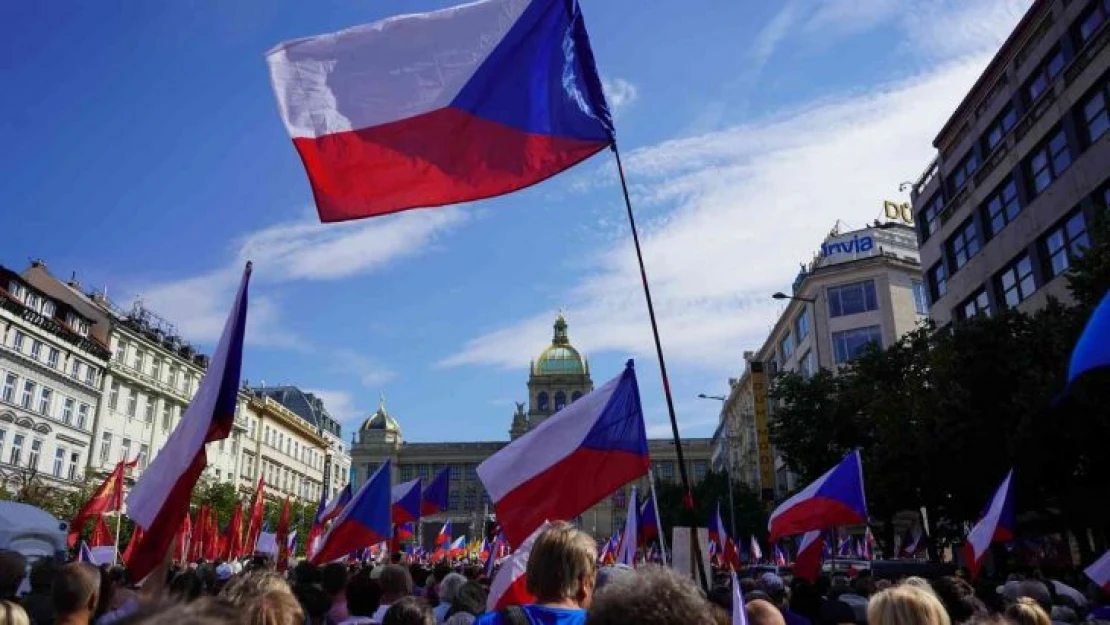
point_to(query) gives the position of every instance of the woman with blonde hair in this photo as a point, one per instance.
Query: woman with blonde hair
(906, 604)
(13, 614)
(1026, 611)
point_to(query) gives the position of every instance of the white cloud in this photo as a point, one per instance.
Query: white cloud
(841, 18)
(949, 28)
(369, 371)
(619, 93)
(772, 33)
(341, 405)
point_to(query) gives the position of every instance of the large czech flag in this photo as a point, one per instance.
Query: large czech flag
(835, 498)
(571, 461)
(996, 526)
(406, 501)
(438, 108)
(365, 521)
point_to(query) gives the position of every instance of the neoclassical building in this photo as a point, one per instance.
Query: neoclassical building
(559, 376)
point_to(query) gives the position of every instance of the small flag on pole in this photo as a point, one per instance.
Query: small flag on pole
(997, 525)
(433, 499)
(739, 614)
(406, 501)
(1099, 572)
(1092, 350)
(629, 541)
(366, 520)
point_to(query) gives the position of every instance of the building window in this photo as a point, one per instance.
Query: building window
(801, 325)
(125, 450)
(144, 455)
(113, 396)
(105, 447)
(52, 358)
(132, 401)
(666, 470)
(17, 341)
(560, 400)
(3, 435)
(1042, 78)
(786, 346)
(929, 216)
(1016, 283)
(173, 377)
(1002, 205)
(156, 368)
(59, 461)
(700, 469)
(74, 460)
(1095, 120)
(137, 361)
(74, 368)
(977, 304)
(920, 299)
(121, 350)
(471, 500)
(542, 401)
(90, 375)
(166, 416)
(850, 299)
(964, 244)
(575, 396)
(8, 394)
(17, 450)
(849, 344)
(406, 472)
(456, 473)
(1048, 161)
(807, 364)
(67, 410)
(148, 413)
(36, 350)
(964, 170)
(1090, 21)
(998, 128)
(82, 416)
(28, 395)
(1065, 243)
(36, 450)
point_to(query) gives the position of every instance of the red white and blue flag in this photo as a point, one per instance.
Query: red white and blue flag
(160, 499)
(649, 522)
(835, 498)
(584, 452)
(433, 499)
(510, 585)
(406, 501)
(997, 525)
(757, 553)
(335, 506)
(780, 556)
(365, 521)
(1099, 572)
(629, 541)
(739, 614)
(438, 108)
(444, 536)
(807, 564)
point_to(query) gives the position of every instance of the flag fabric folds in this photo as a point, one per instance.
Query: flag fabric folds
(433, 499)
(336, 505)
(997, 525)
(444, 536)
(460, 104)
(365, 520)
(1099, 572)
(282, 536)
(101, 536)
(160, 498)
(510, 586)
(136, 536)
(1092, 350)
(835, 498)
(583, 453)
(629, 541)
(757, 553)
(254, 523)
(739, 615)
(108, 497)
(406, 501)
(807, 564)
(648, 523)
(234, 547)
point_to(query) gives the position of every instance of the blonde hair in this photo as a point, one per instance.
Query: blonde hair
(1026, 611)
(13, 614)
(906, 604)
(265, 599)
(561, 556)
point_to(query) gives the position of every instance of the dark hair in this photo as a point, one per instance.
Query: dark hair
(653, 595)
(334, 578)
(305, 573)
(441, 571)
(395, 581)
(721, 596)
(74, 585)
(419, 574)
(13, 568)
(42, 575)
(363, 595)
(409, 611)
(958, 598)
(187, 586)
(314, 601)
(470, 598)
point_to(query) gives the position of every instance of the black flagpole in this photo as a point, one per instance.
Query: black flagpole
(695, 551)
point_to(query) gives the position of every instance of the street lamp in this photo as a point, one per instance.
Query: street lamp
(813, 302)
(728, 467)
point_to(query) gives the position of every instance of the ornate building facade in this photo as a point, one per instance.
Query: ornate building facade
(558, 377)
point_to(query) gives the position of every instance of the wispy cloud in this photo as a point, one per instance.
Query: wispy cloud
(342, 405)
(369, 371)
(773, 32)
(619, 93)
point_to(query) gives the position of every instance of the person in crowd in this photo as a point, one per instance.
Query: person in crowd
(420, 576)
(836, 612)
(333, 579)
(609, 574)
(906, 604)
(13, 568)
(363, 599)
(470, 601)
(1100, 603)
(409, 611)
(448, 589)
(11, 613)
(186, 586)
(1027, 611)
(75, 593)
(396, 584)
(804, 600)
(775, 588)
(264, 598)
(224, 573)
(315, 602)
(38, 602)
(652, 595)
(958, 598)
(561, 573)
(761, 612)
(203, 611)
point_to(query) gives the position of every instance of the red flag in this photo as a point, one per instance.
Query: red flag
(254, 526)
(136, 536)
(107, 497)
(200, 535)
(101, 536)
(160, 499)
(212, 537)
(283, 536)
(235, 534)
(181, 539)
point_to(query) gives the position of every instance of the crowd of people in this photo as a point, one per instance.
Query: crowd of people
(562, 573)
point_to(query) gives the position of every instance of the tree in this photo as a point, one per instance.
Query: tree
(751, 515)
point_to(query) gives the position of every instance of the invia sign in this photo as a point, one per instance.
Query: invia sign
(856, 244)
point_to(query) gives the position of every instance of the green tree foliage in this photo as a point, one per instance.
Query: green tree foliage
(751, 515)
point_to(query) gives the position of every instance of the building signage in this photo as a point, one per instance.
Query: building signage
(763, 433)
(857, 244)
(901, 212)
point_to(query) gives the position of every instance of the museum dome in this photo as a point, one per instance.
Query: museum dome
(381, 421)
(561, 358)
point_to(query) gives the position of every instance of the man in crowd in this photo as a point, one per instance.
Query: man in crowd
(75, 593)
(775, 588)
(396, 584)
(652, 596)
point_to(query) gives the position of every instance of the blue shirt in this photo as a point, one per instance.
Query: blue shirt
(539, 615)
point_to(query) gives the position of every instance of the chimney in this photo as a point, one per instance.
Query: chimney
(38, 262)
(73, 282)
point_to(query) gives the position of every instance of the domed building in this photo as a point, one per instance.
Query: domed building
(559, 376)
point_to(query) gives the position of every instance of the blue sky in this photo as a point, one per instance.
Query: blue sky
(144, 151)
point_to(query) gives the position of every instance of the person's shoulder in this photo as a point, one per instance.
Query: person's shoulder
(489, 618)
(562, 616)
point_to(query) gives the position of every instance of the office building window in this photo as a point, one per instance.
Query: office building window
(28, 394)
(137, 361)
(1048, 161)
(105, 447)
(920, 298)
(807, 364)
(453, 500)
(17, 450)
(849, 344)
(74, 368)
(471, 500)
(83, 416)
(74, 460)
(173, 377)
(52, 358)
(1002, 205)
(125, 450)
(156, 368)
(166, 418)
(786, 346)
(90, 375)
(8, 393)
(929, 216)
(1095, 120)
(1065, 243)
(1090, 21)
(406, 472)
(59, 461)
(132, 401)
(977, 304)
(964, 244)
(801, 325)
(36, 350)
(36, 450)
(999, 127)
(850, 299)
(148, 413)
(17, 341)
(1016, 283)
(113, 396)
(963, 171)
(1042, 78)
(121, 351)
(68, 405)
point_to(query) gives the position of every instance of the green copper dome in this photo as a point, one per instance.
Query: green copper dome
(560, 358)
(381, 420)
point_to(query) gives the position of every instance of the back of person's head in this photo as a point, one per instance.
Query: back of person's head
(1027, 611)
(314, 601)
(721, 596)
(395, 582)
(835, 613)
(13, 568)
(334, 578)
(774, 587)
(562, 565)
(264, 598)
(906, 604)
(203, 611)
(958, 598)
(305, 573)
(11, 613)
(420, 575)
(762, 612)
(450, 586)
(42, 575)
(470, 599)
(75, 588)
(409, 611)
(441, 571)
(364, 595)
(653, 595)
(187, 586)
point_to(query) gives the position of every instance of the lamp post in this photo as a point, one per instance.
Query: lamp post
(816, 336)
(728, 467)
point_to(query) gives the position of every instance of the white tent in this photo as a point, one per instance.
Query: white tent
(31, 531)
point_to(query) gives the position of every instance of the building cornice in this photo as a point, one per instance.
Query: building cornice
(268, 408)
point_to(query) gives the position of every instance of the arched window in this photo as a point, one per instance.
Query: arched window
(560, 400)
(542, 400)
(576, 396)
